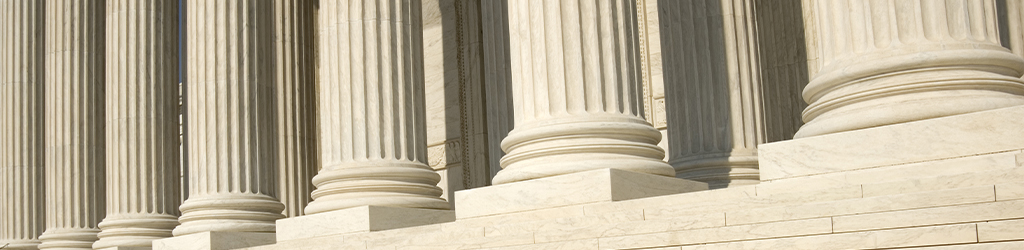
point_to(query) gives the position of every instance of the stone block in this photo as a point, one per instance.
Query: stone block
(214, 241)
(698, 199)
(126, 248)
(862, 205)
(899, 238)
(602, 185)
(563, 224)
(721, 234)
(1012, 245)
(944, 182)
(757, 201)
(565, 232)
(929, 216)
(1001, 230)
(358, 219)
(950, 137)
(1009, 191)
(589, 244)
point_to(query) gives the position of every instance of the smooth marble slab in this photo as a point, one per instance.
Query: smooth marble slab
(950, 137)
(214, 241)
(602, 185)
(358, 219)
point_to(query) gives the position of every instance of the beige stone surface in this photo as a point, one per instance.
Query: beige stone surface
(956, 168)
(373, 132)
(22, 157)
(563, 245)
(577, 99)
(1009, 191)
(732, 233)
(1001, 230)
(74, 122)
(1011, 245)
(865, 205)
(231, 140)
(978, 212)
(143, 189)
(602, 185)
(979, 178)
(923, 236)
(214, 241)
(295, 97)
(950, 137)
(358, 219)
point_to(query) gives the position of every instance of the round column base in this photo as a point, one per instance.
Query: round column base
(388, 183)
(568, 145)
(229, 213)
(134, 230)
(68, 238)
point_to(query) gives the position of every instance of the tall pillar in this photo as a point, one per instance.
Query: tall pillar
(372, 108)
(729, 84)
(577, 91)
(296, 106)
(885, 62)
(142, 123)
(232, 146)
(74, 123)
(21, 124)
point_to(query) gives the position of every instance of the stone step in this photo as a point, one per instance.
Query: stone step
(895, 238)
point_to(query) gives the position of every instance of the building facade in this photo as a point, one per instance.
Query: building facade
(511, 124)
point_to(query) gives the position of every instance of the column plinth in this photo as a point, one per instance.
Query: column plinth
(885, 63)
(232, 139)
(143, 189)
(373, 124)
(75, 147)
(577, 92)
(21, 124)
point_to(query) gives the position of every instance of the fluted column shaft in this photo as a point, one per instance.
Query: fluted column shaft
(296, 106)
(143, 190)
(577, 91)
(74, 123)
(888, 62)
(713, 90)
(372, 121)
(232, 144)
(21, 123)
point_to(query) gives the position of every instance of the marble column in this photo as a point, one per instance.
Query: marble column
(372, 108)
(74, 123)
(576, 86)
(723, 98)
(885, 62)
(142, 123)
(232, 144)
(296, 103)
(21, 123)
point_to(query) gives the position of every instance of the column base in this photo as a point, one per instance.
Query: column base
(985, 132)
(358, 219)
(215, 241)
(602, 185)
(68, 238)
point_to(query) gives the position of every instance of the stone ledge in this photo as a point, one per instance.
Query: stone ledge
(358, 220)
(214, 241)
(602, 185)
(964, 135)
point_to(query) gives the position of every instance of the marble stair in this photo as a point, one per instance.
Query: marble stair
(948, 207)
